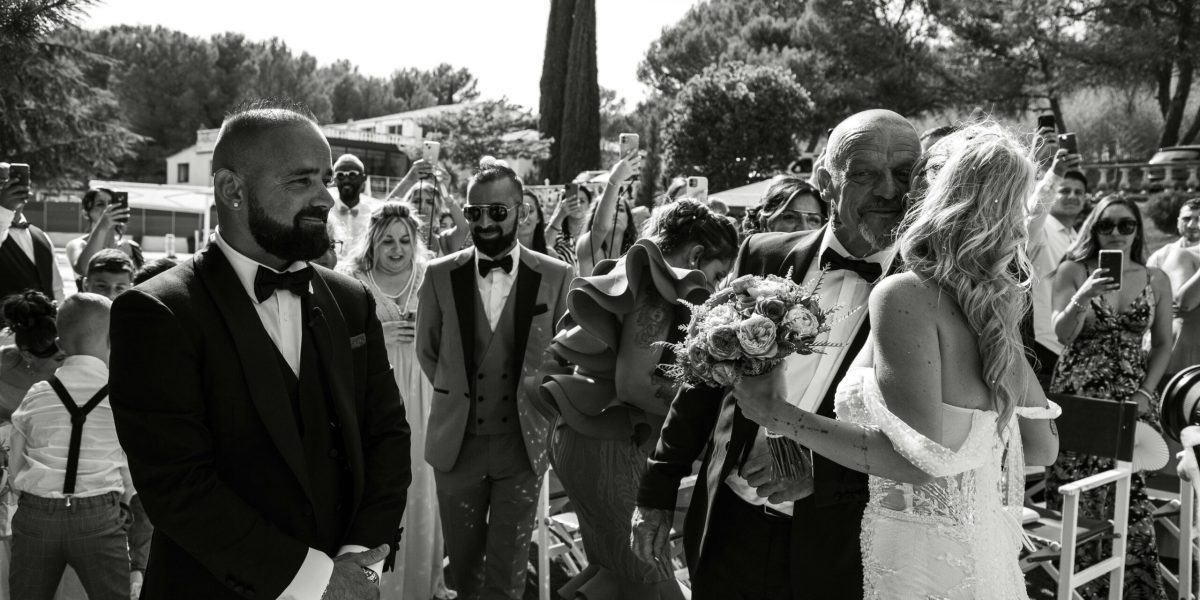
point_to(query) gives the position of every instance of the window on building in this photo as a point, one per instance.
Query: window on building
(182, 171)
(396, 129)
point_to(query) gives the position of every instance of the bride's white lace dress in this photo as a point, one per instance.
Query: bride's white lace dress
(957, 536)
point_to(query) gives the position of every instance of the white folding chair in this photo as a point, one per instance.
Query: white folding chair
(1102, 428)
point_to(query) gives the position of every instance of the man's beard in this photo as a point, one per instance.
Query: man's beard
(348, 192)
(302, 241)
(493, 247)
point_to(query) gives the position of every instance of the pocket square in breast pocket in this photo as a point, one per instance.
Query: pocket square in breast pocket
(358, 341)
(539, 309)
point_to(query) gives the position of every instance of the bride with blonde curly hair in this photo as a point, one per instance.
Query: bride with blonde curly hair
(941, 409)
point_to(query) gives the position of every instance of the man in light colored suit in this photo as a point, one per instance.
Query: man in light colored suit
(487, 315)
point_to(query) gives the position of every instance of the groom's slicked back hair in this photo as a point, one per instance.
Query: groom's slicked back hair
(248, 121)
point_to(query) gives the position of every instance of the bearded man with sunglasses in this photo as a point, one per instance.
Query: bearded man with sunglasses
(487, 316)
(352, 207)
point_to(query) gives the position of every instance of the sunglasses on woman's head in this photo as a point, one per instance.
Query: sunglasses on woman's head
(495, 212)
(1124, 226)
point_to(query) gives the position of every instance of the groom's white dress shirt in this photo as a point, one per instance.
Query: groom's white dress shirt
(496, 287)
(282, 317)
(809, 377)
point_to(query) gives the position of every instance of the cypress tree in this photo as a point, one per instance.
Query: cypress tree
(554, 74)
(580, 144)
(651, 165)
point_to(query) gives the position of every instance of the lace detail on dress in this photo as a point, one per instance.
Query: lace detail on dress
(951, 537)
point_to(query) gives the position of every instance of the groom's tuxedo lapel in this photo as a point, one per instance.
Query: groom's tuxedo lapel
(462, 280)
(333, 346)
(257, 354)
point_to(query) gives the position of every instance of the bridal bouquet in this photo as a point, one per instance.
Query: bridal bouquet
(749, 328)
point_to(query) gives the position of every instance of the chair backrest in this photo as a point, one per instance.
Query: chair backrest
(1096, 426)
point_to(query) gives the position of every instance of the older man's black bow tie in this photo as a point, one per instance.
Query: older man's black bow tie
(21, 225)
(833, 261)
(267, 281)
(504, 264)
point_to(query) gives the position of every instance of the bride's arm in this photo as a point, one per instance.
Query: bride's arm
(1039, 436)
(908, 368)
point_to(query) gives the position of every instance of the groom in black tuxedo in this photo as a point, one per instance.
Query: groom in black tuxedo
(252, 391)
(748, 533)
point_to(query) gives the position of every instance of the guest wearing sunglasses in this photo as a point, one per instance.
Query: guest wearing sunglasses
(790, 204)
(487, 315)
(352, 207)
(1102, 324)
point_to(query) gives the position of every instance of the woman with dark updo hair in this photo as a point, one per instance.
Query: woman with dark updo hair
(609, 410)
(35, 356)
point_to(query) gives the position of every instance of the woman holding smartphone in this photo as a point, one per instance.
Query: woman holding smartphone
(391, 261)
(107, 220)
(609, 232)
(1101, 317)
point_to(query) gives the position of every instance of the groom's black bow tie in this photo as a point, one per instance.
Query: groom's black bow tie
(21, 225)
(504, 264)
(267, 281)
(867, 270)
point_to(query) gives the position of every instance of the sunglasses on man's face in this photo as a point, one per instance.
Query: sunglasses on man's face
(344, 175)
(1124, 226)
(495, 212)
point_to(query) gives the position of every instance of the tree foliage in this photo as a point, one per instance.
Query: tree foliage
(736, 123)
(580, 148)
(169, 84)
(497, 128)
(553, 81)
(50, 115)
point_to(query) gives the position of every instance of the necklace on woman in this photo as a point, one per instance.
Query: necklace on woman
(405, 291)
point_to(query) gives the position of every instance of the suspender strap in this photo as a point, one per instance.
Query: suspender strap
(78, 416)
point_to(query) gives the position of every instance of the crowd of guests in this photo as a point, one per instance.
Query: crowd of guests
(523, 334)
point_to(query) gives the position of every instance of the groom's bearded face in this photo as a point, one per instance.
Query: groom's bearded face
(303, 237)
(287, 203)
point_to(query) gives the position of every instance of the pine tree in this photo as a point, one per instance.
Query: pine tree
(651, 165)
(554, 75)
(580, 145)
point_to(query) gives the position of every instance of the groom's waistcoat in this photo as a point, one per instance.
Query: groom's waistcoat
(324, 451)
(497, 372)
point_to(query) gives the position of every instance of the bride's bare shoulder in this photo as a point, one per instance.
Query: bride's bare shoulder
(904, 294)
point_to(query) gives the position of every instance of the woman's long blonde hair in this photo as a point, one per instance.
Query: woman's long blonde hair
(362, 254)
(968, 235)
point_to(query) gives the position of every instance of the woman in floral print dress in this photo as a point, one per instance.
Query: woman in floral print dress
(1103, 326)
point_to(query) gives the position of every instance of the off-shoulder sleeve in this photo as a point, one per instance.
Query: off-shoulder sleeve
(1050, 411)
(924, 453)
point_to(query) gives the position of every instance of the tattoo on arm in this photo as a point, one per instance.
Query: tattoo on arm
(652, 320)
(1053, 428)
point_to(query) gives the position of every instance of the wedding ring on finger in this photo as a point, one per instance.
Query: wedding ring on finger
(371, 575)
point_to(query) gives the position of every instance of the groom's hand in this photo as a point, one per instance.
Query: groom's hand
(759, 473)
(651, 535)
(350, 581)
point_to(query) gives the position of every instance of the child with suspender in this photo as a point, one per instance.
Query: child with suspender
(70, 469)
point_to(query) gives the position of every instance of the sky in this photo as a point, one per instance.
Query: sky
(501, 43)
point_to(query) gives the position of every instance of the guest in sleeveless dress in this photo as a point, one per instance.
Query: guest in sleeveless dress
(107, 222)
(1102, 327)
(610, 229)
(391, 261)
(610, 409)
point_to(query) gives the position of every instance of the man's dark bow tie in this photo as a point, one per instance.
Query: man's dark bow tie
(21, 225)
(867, 270)
(267, 281)
(504, 264)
